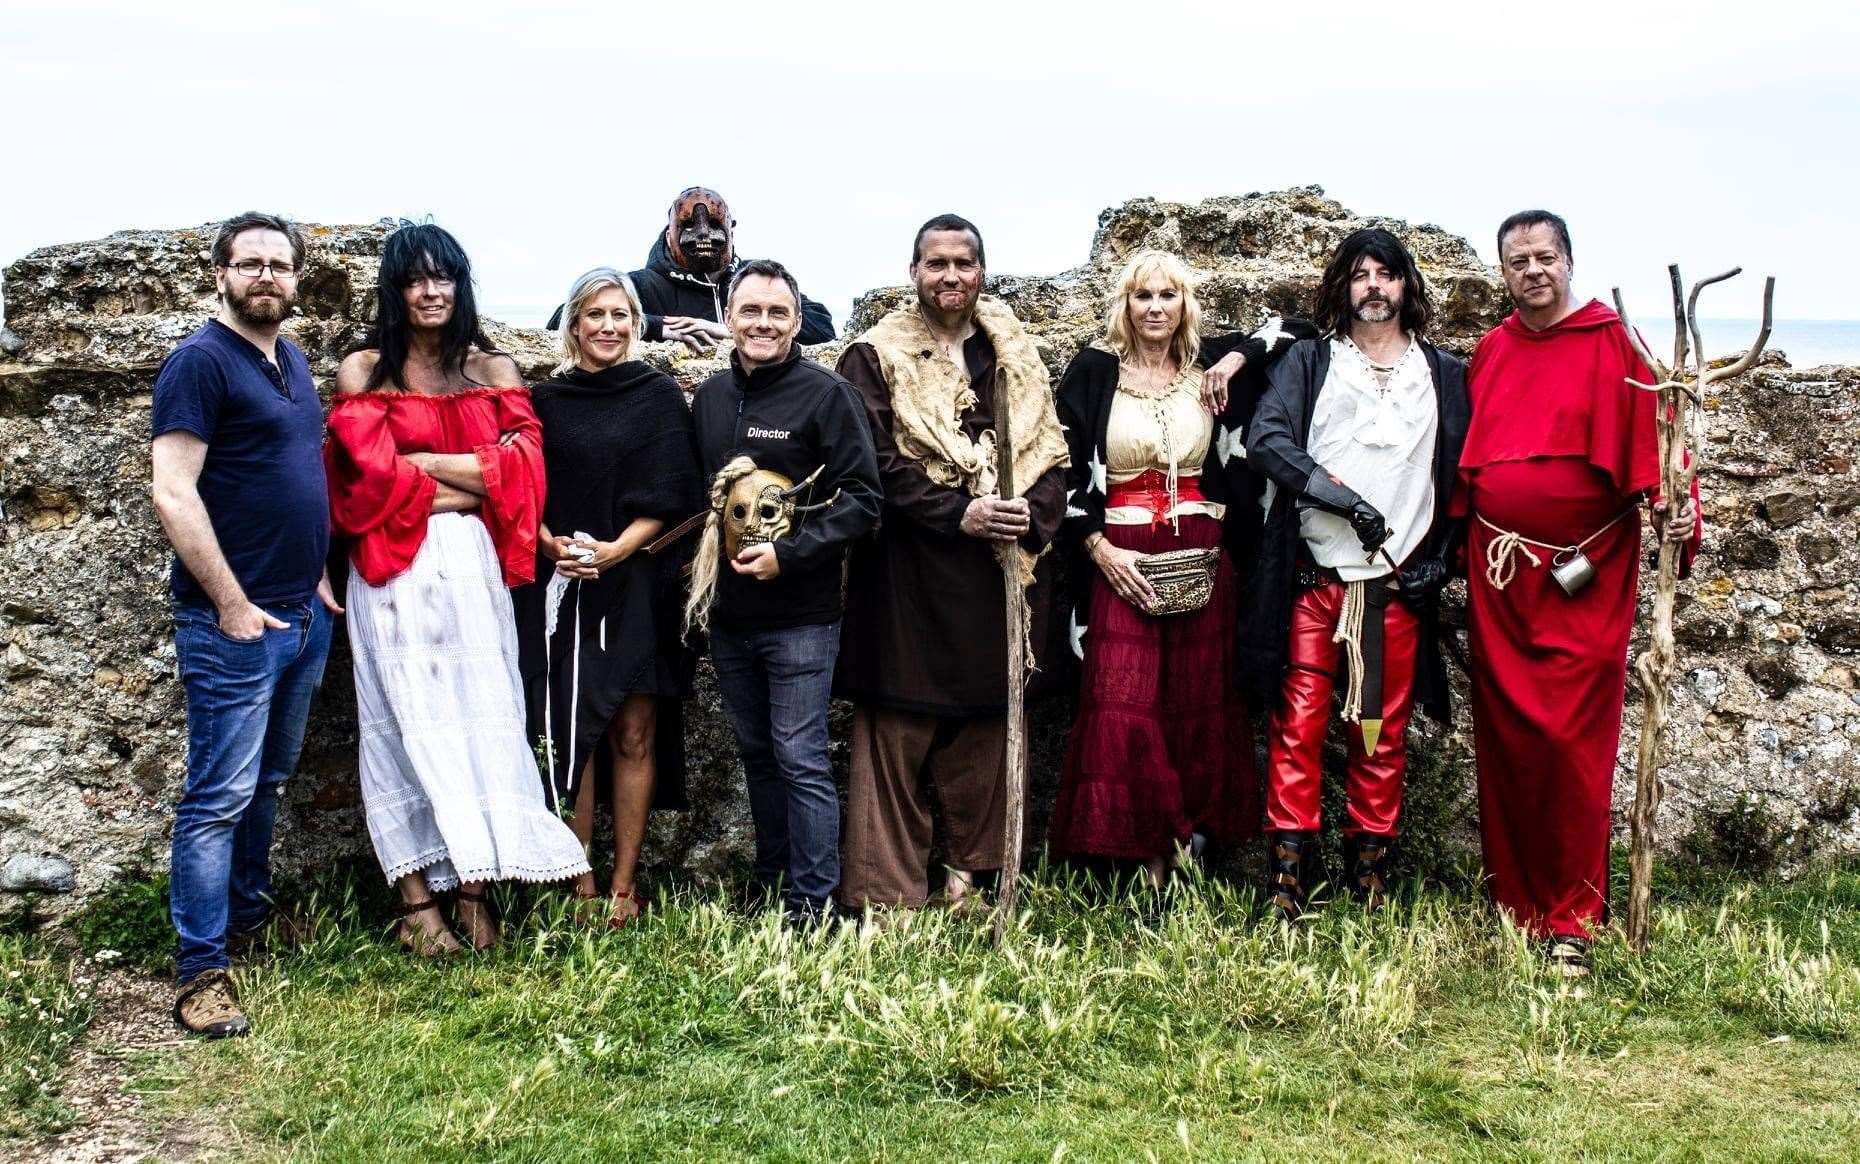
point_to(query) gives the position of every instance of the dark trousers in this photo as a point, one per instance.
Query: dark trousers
(247, 703)
(775, 685)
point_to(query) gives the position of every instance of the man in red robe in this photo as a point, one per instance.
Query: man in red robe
(1561, 457)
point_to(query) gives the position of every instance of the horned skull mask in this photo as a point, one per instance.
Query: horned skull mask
(760, 509)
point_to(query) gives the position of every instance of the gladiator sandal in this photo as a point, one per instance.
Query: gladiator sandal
(1569, 956)
(1285, 889)
(1369, 870)
(475, 935)
(417, 941)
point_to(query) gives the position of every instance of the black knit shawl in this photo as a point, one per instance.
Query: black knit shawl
(618, 444)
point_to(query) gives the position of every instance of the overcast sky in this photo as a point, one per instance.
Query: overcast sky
(550, 138)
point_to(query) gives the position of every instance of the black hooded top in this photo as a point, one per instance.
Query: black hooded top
(665, 289)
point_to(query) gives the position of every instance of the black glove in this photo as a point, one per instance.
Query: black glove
(1423, 579)
(1371, 529)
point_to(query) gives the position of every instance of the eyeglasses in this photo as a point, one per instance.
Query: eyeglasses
(252, 268)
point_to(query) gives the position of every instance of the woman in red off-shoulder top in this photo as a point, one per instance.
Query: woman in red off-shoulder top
(435, 469)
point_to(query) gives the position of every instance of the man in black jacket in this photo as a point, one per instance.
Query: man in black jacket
(1359, 433)
(686, 279)
(776, 614)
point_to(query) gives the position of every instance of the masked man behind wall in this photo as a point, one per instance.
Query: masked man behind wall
(684, 286)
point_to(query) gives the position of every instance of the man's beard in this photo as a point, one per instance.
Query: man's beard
(1375, 311)
(260, 310)
(927, 303)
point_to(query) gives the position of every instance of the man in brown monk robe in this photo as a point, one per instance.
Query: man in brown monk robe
(923, 655)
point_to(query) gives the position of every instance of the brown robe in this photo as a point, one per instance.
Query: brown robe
(926, 620)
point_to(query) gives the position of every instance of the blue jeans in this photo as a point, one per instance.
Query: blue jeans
(775, 685)
(246, 707)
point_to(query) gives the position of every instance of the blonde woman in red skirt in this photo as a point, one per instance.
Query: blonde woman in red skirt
(1160, 759)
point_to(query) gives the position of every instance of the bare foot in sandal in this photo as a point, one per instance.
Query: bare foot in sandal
(423, 932)
(474, 917)
(584, 902)
(626, 908)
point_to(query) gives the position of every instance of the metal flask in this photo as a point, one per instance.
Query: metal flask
(1572, 570)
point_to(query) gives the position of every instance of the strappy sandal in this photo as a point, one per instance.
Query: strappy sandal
(417, 941)
(620, 922)
(583, 906)
(482, 901)
(1285, 888)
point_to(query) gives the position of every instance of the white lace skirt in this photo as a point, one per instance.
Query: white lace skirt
(448, 780)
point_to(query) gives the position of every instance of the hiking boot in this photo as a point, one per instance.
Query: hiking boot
(208, 1006)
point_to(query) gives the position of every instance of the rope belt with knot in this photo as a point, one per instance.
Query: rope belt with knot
(1350, 633)
(1501, 563)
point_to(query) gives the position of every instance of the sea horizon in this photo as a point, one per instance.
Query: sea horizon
(1806, 343)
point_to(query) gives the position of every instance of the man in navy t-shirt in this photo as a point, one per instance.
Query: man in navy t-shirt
(238, 483)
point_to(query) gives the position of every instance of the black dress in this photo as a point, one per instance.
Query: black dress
(618, 445)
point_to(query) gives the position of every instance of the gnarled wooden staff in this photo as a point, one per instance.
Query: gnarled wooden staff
(1680, 427)
(1007, 893)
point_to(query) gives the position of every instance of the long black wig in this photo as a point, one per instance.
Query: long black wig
(1333, 315)
(415, 251)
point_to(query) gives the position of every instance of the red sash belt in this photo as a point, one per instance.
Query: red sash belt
(1150, 490)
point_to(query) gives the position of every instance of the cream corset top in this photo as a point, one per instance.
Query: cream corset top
(1143, 432)
(1168, 432)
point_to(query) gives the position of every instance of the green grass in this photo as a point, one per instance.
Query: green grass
(130, 919)
(42, 1010)
(1103, 1031)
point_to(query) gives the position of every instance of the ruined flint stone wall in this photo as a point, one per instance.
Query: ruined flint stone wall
(92, 734)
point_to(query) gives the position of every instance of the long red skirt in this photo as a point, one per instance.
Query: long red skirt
(1162, 747)
(1549, 673)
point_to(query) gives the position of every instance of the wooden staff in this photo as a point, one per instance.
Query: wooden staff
(1680, 449)
(1009, 555)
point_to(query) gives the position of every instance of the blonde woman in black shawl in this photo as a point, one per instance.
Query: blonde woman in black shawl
(605, 665)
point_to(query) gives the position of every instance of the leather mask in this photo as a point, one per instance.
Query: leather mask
(760, 509)
(684, 209)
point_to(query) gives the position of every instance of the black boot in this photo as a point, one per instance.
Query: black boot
(1285, 875)
(1369, 869)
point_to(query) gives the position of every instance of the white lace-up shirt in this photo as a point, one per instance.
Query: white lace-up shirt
(1377, 438)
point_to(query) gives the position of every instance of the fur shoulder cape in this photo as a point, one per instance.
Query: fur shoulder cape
(929, 394)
